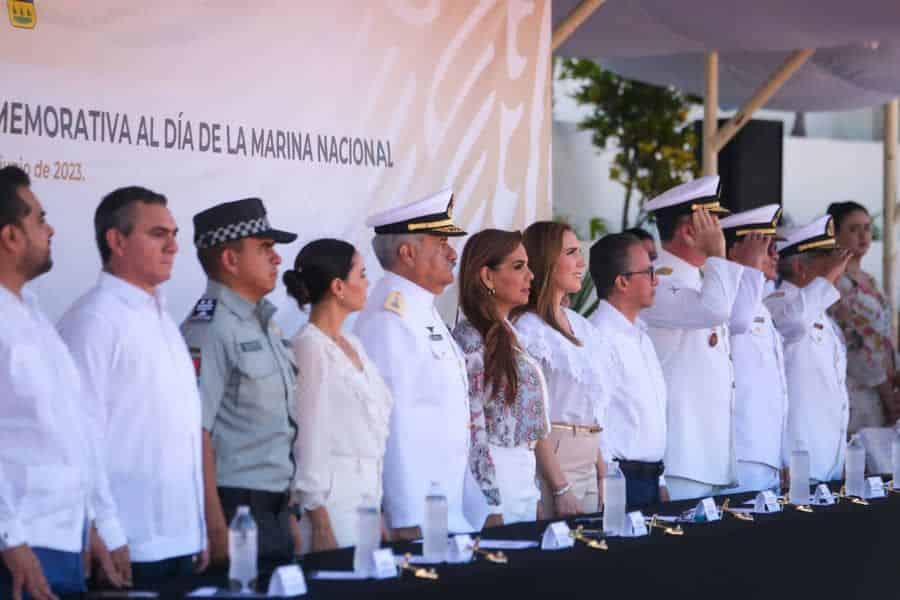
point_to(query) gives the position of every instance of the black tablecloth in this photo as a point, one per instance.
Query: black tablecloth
(842, 551)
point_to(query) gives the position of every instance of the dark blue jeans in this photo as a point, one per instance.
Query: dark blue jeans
(64, 572)
(641, 492)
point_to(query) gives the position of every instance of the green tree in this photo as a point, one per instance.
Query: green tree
(648, 124)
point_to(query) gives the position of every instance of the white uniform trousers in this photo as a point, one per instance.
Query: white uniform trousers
(755, 477)
(681, 488)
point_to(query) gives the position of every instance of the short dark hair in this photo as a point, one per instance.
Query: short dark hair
(609, 259)
(210, 258)
(13, 207)
(667, 222)
(116, 211)
(640, 233)
(318, 264)
(840, 210)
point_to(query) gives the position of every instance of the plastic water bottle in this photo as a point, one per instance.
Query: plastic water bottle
(799, 493)
(368, 536)
(855, 468)
(895, 458)
(242, 551)
(435, 528)
(613, 500)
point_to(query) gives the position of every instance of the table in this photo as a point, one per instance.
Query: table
(843, 551)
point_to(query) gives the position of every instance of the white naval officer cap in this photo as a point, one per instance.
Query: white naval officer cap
(703, 192)
(763, 219)
(432, 215)
(818, 235)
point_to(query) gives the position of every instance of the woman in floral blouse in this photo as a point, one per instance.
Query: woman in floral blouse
(864, 315)
(507, 393)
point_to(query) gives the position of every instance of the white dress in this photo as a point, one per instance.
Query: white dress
(342, 428)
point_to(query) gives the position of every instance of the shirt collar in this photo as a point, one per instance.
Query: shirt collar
(239, 305)
(130, 293)
(9, 301)
(417, 295)
(611, 315)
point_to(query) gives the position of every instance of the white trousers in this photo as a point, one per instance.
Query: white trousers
(754, 477)
(515, 469)
(352, 479)
(687, 489)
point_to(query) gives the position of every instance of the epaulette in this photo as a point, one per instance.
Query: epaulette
(204, 310)
(395, 303)
(663, 271)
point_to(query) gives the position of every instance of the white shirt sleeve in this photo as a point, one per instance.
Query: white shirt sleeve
(314, 421)
(796, 309)
(678, 307)
(92, 344)
(746, 304)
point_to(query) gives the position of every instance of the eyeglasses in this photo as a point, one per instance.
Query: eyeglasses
(651, 271)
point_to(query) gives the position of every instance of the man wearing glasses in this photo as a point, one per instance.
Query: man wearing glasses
(761, 400)
(636, 418)
(688, 324)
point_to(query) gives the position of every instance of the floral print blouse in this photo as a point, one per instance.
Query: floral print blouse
(864, 316)
(494, 422)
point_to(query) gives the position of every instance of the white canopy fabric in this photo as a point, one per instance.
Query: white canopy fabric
(856, 63)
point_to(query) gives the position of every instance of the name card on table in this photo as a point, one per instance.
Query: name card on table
(459, 548)
(706, 511)
(766, 502)
(874, 487)
(823, 496)
(557, 536)
(635, 525)
(385, 565)
(287, 581)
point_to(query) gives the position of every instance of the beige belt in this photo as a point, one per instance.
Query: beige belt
(576, 429)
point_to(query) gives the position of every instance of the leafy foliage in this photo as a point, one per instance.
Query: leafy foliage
(647, 123)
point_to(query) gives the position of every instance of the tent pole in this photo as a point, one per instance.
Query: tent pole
(574, 20)
(890, 207)
(711, 114)
(796, 60)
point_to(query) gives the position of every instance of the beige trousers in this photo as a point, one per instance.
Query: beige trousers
(577, 456)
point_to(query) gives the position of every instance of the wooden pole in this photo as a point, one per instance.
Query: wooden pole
(796, 60)
(573, 20)
(890, 207)
(711, 114)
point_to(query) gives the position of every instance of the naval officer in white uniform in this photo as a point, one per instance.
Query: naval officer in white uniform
(814, 351)
(761, 399)
(405, 336)
(688, 324)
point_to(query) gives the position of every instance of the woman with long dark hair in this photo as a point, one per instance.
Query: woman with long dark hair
(507, 392)
(864, 315)
(574, 363)
(343, 405)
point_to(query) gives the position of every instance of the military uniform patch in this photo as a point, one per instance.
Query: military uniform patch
(196, 355)
(253, 346)
(395, 303)
(204, 309)
(664, 271)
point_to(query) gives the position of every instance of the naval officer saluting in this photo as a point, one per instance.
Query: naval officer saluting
(405, 336)
(815, 355)
(688, 324)
(761, 400)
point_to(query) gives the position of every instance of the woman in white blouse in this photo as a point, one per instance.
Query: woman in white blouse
(343, 405)
(575, 364)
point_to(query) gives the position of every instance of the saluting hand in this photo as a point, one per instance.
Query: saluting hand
(835, 264)
(752, 251)
(708, 236)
